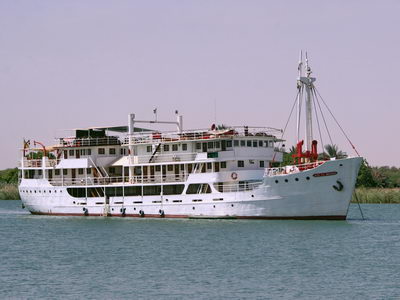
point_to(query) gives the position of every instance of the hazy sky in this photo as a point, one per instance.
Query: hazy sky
(69, 64)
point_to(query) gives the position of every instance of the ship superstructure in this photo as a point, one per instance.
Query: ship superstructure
(220, 172)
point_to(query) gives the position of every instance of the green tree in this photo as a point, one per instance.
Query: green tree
(365, 176)
(333, 151)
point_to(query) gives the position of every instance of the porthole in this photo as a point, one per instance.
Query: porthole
(193, 208)
(252, 196)
(341, 165)
(308, 178)
(214, 206)
(134, 208)
(232, 205)
(296, 179)
(286, 180)
(276, 181)
(73, 202)
(112, 209)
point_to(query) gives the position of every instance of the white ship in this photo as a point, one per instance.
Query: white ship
(221, 172)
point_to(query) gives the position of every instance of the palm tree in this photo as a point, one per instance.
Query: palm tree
(333, 151)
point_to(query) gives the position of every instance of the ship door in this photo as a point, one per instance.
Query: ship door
(73, 171)
(223, 145)
(77, 154)
(204, 147)
(176, 171)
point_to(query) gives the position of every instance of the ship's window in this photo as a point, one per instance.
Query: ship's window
(89, 151)
(182, 167)
(296, 179)
(89, 171)
(271, 144)
(242, 143)
(217, 144)
(170, 167)
(260, 143)
(203, 168)
(158, 168)
(308, 178)
(229, 144)
(240, 163)
(190, 168)
(265, 143)
(251, 161)
(148, 148)
(111, 170)
(255, 144)
(175, 189)
(210, 145)
(80, 171)
(71, 152)
(184, 147)
(133, 191)
(216, 166)
(57, 172)
(286, 180)
(236, 143)
(114, 191)
(175, 147)
(40, 172)
(209, 166)
(111, 151)
(65, 171)
(152, 190)
(223, 164)
(262, 164)
(65, 154)
(198, 146)
(276, 181)
(248, 143)
(101, 151)
(166, 148)
(198, 188)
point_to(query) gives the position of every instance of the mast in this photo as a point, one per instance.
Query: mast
(306, 82)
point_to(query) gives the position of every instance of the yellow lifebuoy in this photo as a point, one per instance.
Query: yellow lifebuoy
(234, 175)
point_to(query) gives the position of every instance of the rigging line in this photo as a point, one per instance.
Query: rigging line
(316, 116)
(344, 133)
(287, 122)
(300, 105)
(359, 206)
(323, 117)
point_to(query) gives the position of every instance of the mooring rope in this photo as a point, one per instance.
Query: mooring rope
(359, 206)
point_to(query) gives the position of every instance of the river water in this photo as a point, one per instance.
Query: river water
(121, 258)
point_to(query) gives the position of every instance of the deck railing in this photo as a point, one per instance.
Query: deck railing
(292, 168)
(237, 187)
(37, 163)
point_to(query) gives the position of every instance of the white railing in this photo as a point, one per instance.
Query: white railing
(199, 134)
(237, 187)
(89, 181)
(37, 163)
(292, 168)
(161, 158)
(85, 142)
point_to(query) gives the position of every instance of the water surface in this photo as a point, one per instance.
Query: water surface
(101, 258)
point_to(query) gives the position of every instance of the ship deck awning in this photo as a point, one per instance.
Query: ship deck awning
(74, 163)
(121, 129)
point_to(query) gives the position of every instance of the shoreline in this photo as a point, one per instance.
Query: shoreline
(365, 195)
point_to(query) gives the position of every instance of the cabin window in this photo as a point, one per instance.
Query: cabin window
(111, 151)
(210, 145)
(170, 168)
(65, 154)
(265, 143)
(166, 148)
(260, 143)
(271, 144)
(248, 143)
(101, 151)
(152, 190)
(88, 171)
(255, 144)
(80, 171)
(137, 171)
(242, 143)
(198, 146)
(190, 168)
(199, 188)
(209, 166)
(240, 163)
(57, 172)
(182, 167)
(236, 143)
(223, 164)
(216, 166)
(65, 171)
(229, 144)
(71, 152)
(111, 170)
(262, 164)
(89, 151)
(184, 147)
(133, 191)
(175, 189)
(175, 147)
(158, 168)
(148, 148)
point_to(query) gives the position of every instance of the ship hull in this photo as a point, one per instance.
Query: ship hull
(323, 193)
